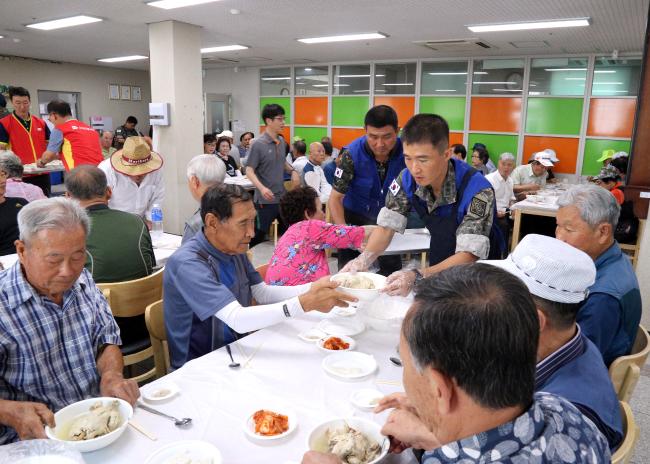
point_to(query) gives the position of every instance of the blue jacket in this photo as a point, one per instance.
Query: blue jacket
(366, 195)
(585, 383)
(610, 316)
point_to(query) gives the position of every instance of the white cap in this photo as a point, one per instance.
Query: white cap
(552, 155)
(225, 133)
(550, 268)
(542, 158)
(619, 154)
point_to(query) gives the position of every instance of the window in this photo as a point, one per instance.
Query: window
(616, 78)
(498, 77)
(275, 81)
(395, 78)
(311, 80)
(558, 76)
(353, 79)
(444, 78)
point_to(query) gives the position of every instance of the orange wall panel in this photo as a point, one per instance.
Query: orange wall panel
(286, 133)
(611, 117)
(342, 137)
(495, 114)
(566, 149)
(403, 106)
(455, 138)
(310, 111)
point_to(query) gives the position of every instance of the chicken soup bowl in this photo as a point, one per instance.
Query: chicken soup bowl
(363, 294)
(317, 440)
(65, 420)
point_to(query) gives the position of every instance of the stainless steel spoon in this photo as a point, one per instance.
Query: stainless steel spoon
(396, 361)
(177, 422)
(233, 364)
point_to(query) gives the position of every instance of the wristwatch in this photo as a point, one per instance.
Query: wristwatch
(418, 275)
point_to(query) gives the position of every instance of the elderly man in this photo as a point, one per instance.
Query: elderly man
(106, 141)
(50, 300)
(568, 363)
(453, 199)
(312, 173)
(504, 195)
(79, 144)
(469, 375)
(610, 315)
(203, 171)
(209, 283)
(265, 167)
(9, 209)
(10, 164)
(531, 177)
(135, 178)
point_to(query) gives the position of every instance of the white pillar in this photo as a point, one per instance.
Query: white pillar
(643, 273)
(176, 78)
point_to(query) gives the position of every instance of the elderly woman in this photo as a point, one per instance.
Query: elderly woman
(480, 159)
(12, 167)
(223, 152)
(299, 256)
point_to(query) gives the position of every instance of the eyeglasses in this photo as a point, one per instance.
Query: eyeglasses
(280, 118)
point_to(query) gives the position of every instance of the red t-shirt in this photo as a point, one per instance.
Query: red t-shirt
(80, 144)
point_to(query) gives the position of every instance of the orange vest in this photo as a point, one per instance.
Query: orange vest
(80, 145)
(28, 146)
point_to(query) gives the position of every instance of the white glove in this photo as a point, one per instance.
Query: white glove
(361, 262)
(399, 283)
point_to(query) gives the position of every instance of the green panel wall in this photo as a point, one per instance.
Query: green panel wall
(554, 116)
(284, 102)
(349, 111)
(450, 108)
(496, 144)
(594, 148)
(310, 134)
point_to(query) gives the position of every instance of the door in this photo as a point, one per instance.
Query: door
(46, 96)
(217, 112)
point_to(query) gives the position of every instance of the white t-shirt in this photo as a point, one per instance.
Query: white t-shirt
(503, 189)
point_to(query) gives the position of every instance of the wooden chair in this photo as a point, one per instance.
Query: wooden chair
(623, 454)
(130, 299)
(155, 320)
(625, 370)
(632, 249)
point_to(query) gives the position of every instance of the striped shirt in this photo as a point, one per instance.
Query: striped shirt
(48, 352)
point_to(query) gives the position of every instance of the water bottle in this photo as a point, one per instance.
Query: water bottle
(156, 222)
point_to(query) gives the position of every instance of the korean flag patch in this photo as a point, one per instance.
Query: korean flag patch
(338, 173)
(394, 187)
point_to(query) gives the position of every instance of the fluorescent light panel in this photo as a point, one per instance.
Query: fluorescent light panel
(343, 38)
(171, 4)
(525, 26)
(119, 59)
(275, 78)
(64, 22)
(404, 83)
(224, 48)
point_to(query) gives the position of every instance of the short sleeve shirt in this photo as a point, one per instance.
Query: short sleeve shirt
(193, 295)
(524, 175)
(267, 158)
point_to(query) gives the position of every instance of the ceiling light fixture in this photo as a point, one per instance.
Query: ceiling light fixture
(575, 78)
(119, 59)
(608, 83)
(307, 69)
(224, 48)
(445, 90)
(530, 25)
(354, 75)
(275, 78)
(64, 22)
(447, 73)
(494, 83)
(505, 90)
(343, 38)
(171, 4)
(403, 83)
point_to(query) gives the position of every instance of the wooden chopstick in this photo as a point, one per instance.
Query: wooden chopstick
(142, 430)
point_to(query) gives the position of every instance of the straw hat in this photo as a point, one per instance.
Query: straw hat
(136, 158)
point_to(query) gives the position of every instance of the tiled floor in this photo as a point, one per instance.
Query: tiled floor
(640, 401)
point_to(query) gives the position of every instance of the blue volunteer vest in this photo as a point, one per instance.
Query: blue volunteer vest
(439, 222)
(366, 195)
(585, 381)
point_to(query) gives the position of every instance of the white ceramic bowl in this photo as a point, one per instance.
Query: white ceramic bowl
(65, 415)
(386, 313)
(346, 339)
(349, 365)
(363, 294)
(317, 440)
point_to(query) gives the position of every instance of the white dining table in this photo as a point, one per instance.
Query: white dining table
(163, 248)
(278, 371)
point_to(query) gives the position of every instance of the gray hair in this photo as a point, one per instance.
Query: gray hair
(11, 164)
(507, 157)
(51, 213)
(86, 182)
(596, 204)
(209, 169)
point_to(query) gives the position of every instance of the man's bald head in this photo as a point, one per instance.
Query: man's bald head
(316, 153)
(86, 183)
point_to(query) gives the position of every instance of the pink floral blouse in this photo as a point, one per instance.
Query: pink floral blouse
(299, 256)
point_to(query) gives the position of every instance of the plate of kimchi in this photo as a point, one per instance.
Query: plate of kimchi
(271, 424)
(333, 343)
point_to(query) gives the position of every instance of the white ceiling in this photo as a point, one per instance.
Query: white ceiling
(270, 28)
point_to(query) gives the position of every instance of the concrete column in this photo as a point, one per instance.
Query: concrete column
(176, 78)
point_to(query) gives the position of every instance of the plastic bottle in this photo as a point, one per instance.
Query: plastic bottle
(156, 222)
